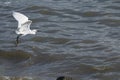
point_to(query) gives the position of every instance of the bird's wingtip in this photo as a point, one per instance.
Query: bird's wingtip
(13, 12)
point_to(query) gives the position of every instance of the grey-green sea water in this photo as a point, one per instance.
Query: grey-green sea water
(76, 38)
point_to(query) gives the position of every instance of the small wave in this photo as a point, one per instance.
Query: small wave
(14, 56)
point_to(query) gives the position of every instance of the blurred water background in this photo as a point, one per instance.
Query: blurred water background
(76, 38)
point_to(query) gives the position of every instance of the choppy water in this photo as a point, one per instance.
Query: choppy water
(77, 38)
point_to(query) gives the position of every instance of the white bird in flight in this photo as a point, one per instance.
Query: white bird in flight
(23, 25)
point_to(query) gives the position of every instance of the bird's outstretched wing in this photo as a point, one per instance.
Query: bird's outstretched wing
(21, 18)
(25, 27)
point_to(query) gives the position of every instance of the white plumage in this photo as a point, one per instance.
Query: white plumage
(23, 24)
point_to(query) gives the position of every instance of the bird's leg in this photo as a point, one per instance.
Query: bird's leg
(17, 39)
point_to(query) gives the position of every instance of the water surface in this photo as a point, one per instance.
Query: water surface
(76, 38)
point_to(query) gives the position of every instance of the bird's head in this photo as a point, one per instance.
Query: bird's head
(34, 31)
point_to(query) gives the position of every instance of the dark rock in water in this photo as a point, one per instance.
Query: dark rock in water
(64, 78)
